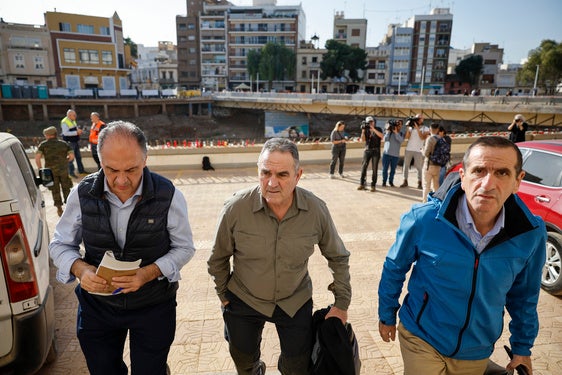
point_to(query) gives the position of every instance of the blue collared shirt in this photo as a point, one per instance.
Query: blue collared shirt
(65, 245)
(466, 224)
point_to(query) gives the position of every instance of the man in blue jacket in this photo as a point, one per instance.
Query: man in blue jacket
(474, 251)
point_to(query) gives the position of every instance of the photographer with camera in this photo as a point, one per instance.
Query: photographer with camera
(392, 141)
(372, 136)
(416, 134)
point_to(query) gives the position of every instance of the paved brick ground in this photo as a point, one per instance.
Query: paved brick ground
(367, 223)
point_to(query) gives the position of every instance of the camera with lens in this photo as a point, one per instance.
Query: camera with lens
(391, 125)
(411, 120)
(364, 125)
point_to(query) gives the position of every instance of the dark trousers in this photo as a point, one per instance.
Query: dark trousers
(77, 156)
(338, 153)
(389, 162)
(370, 156)
(95, 154)
(102, 330)
(243, 331)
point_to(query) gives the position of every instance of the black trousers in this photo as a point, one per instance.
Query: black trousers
(243, 331)
(102, 331)
(371, 156)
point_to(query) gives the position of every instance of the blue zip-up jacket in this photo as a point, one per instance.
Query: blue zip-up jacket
(456, 297)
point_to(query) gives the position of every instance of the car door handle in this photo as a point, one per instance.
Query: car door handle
(542, 199)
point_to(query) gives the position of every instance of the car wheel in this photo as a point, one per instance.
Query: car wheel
(551, 278)
(53, 352)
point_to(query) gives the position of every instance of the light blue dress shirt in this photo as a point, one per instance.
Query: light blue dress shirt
(65, 245)
(466, 224)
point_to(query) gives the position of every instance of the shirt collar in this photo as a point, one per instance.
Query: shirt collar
(111, 196)
(468, 221)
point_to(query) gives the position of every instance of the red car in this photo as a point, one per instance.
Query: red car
(541, 190)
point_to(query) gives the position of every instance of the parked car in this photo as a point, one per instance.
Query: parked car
(541, 190)
(27, 313)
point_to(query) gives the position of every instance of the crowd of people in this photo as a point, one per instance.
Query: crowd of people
(140, 215)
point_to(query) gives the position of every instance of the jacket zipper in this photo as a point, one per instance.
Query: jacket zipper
(469, 305)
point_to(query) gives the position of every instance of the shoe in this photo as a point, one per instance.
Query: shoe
(391, 184)
(373, 189)
(73, 175)
(332, 176)
(361, 187)
(404, 184)
(384, 184)
(342, 175)
(84, 172)
(59, 211)
(420, 185)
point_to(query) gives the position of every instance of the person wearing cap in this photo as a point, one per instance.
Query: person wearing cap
(57, 154)
(518, 127)
(372, 137)
(338, 139)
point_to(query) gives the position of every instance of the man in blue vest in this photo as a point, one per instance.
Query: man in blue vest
(71, 134)
(139, 215)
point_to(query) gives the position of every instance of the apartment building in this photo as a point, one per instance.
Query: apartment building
(88, 51)
(430, 50)
(308, 69)
(350, 31)
(25, 59)
(398, 41)
(492, 58)
(375, 79)
(216, 36)
(156, 67)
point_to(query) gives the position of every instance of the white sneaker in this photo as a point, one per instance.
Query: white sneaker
(342, 175)
(332, 176)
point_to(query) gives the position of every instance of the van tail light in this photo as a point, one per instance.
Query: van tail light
(16, 260)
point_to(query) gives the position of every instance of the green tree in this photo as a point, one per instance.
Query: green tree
(470, 69)
(342, 60)
(133, 45)
(274, 62)
(548, 57)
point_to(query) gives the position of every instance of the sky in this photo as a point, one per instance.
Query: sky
(517, 26)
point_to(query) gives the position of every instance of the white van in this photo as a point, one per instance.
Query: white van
(27, 313)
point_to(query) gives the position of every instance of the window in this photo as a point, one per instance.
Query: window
(355, 32)
(69, 55)
(314, 59)
(191, 26)
(64, 26)
(19, 60)
(106, 58)
(304, 60)
(89, 56)
(182, 26)
(104, 30)
(39, 62)
(303, 74)
(85, 29)
(540, 168)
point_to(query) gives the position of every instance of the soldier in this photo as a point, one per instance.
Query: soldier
(57, 154)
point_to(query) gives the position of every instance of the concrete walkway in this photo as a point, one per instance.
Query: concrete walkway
(366, 222)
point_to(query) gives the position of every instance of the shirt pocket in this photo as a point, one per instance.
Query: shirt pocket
(295, 249)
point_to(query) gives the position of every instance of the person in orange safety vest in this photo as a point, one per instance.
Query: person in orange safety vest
(97, 126)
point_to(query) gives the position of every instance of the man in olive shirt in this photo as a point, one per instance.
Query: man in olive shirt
(270, 231)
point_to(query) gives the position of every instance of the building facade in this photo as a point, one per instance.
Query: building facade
(156, 67)
(26, 58)
(350, 31)
(88, 51)
(431, 41)
(215, 37)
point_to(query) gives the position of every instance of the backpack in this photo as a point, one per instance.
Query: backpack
(441, 153)
(206, 164)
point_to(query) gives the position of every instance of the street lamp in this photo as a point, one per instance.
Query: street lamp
(536, 79)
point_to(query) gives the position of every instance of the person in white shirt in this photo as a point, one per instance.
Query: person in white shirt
(416, 135)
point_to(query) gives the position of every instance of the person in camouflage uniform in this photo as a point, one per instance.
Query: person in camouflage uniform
(57, 154)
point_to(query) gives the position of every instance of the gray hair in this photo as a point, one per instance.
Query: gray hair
(122, 129)
(281, 145)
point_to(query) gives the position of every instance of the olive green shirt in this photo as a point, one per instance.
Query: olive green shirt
(55, 152)
(270, 257)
